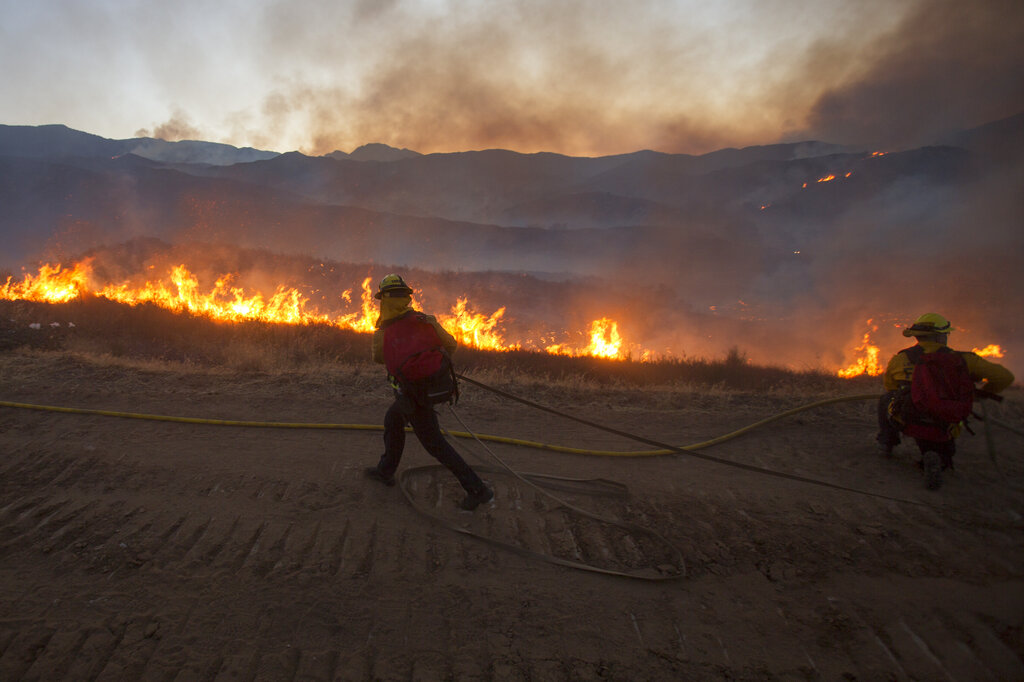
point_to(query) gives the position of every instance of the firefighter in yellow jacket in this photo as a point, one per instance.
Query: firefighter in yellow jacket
(936, 441)
(416, 351)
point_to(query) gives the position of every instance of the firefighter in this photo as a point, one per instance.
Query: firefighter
(417, 353)
(899, 411)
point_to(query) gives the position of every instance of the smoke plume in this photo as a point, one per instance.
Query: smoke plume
(948, 65)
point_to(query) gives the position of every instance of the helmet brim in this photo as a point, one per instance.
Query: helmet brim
(911, 332)
(395, 290)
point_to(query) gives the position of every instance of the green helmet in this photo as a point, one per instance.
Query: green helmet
(392, 285)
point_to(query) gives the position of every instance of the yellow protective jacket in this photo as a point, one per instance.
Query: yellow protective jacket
(995, 377)
(394, 307)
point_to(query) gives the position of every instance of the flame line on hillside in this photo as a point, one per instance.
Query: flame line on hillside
(230, 303)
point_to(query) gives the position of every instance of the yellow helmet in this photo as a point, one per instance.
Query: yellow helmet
(927, 324)
(392, 284)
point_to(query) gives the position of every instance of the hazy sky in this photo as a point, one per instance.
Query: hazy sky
(582, 77)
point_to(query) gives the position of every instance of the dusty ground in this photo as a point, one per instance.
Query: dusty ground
(161, 551)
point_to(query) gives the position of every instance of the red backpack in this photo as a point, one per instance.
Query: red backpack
(414, 355)
(941, 391)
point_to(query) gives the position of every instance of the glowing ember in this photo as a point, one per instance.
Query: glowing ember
(868, 362)
(827, 178)
(990, 351)
(877, 154)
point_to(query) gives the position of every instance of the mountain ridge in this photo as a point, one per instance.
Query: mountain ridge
(774, 245)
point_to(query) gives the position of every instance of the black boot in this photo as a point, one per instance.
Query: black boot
(475, 499)
(380, 477)
(932, 470)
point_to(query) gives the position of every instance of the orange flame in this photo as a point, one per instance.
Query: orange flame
(605, 342)
(868, 362)
(475, 329)
(181, 292)
(363, 321)
(827, 178)
(223, 302)
(52, 285)
(990, 351)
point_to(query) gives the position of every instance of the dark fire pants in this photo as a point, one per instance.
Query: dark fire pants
(889, 434)
(423, 421)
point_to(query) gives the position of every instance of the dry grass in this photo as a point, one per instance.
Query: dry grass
(148, 336)
(138, 344)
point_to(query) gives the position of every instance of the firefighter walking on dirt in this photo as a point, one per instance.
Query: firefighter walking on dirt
(417, 353)
(929, 391)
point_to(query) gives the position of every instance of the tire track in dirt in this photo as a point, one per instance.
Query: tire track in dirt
(146, 561)
(536, 523)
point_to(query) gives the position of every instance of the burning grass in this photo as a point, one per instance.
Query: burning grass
(100, 328)
(178, 289)
(255, 288)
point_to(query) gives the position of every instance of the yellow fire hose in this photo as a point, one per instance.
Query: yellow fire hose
(674, 570)
(662, 450)
(458, 434)
(462, 434)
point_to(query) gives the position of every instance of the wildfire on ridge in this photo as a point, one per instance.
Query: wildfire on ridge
(226, 302)
(831, 176)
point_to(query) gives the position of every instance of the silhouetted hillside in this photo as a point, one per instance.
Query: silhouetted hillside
(194, 151)
(61, 142)
(375, 151)
(57, 141)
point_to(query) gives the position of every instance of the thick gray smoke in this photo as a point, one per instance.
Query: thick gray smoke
(948, 65)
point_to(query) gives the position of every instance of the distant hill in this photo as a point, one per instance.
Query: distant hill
(58, 141)
(194, 151)
(501, 187)
(770, 235)
(375, 151)
(1002, 140)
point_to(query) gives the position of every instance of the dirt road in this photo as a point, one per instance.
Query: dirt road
(159, 551)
